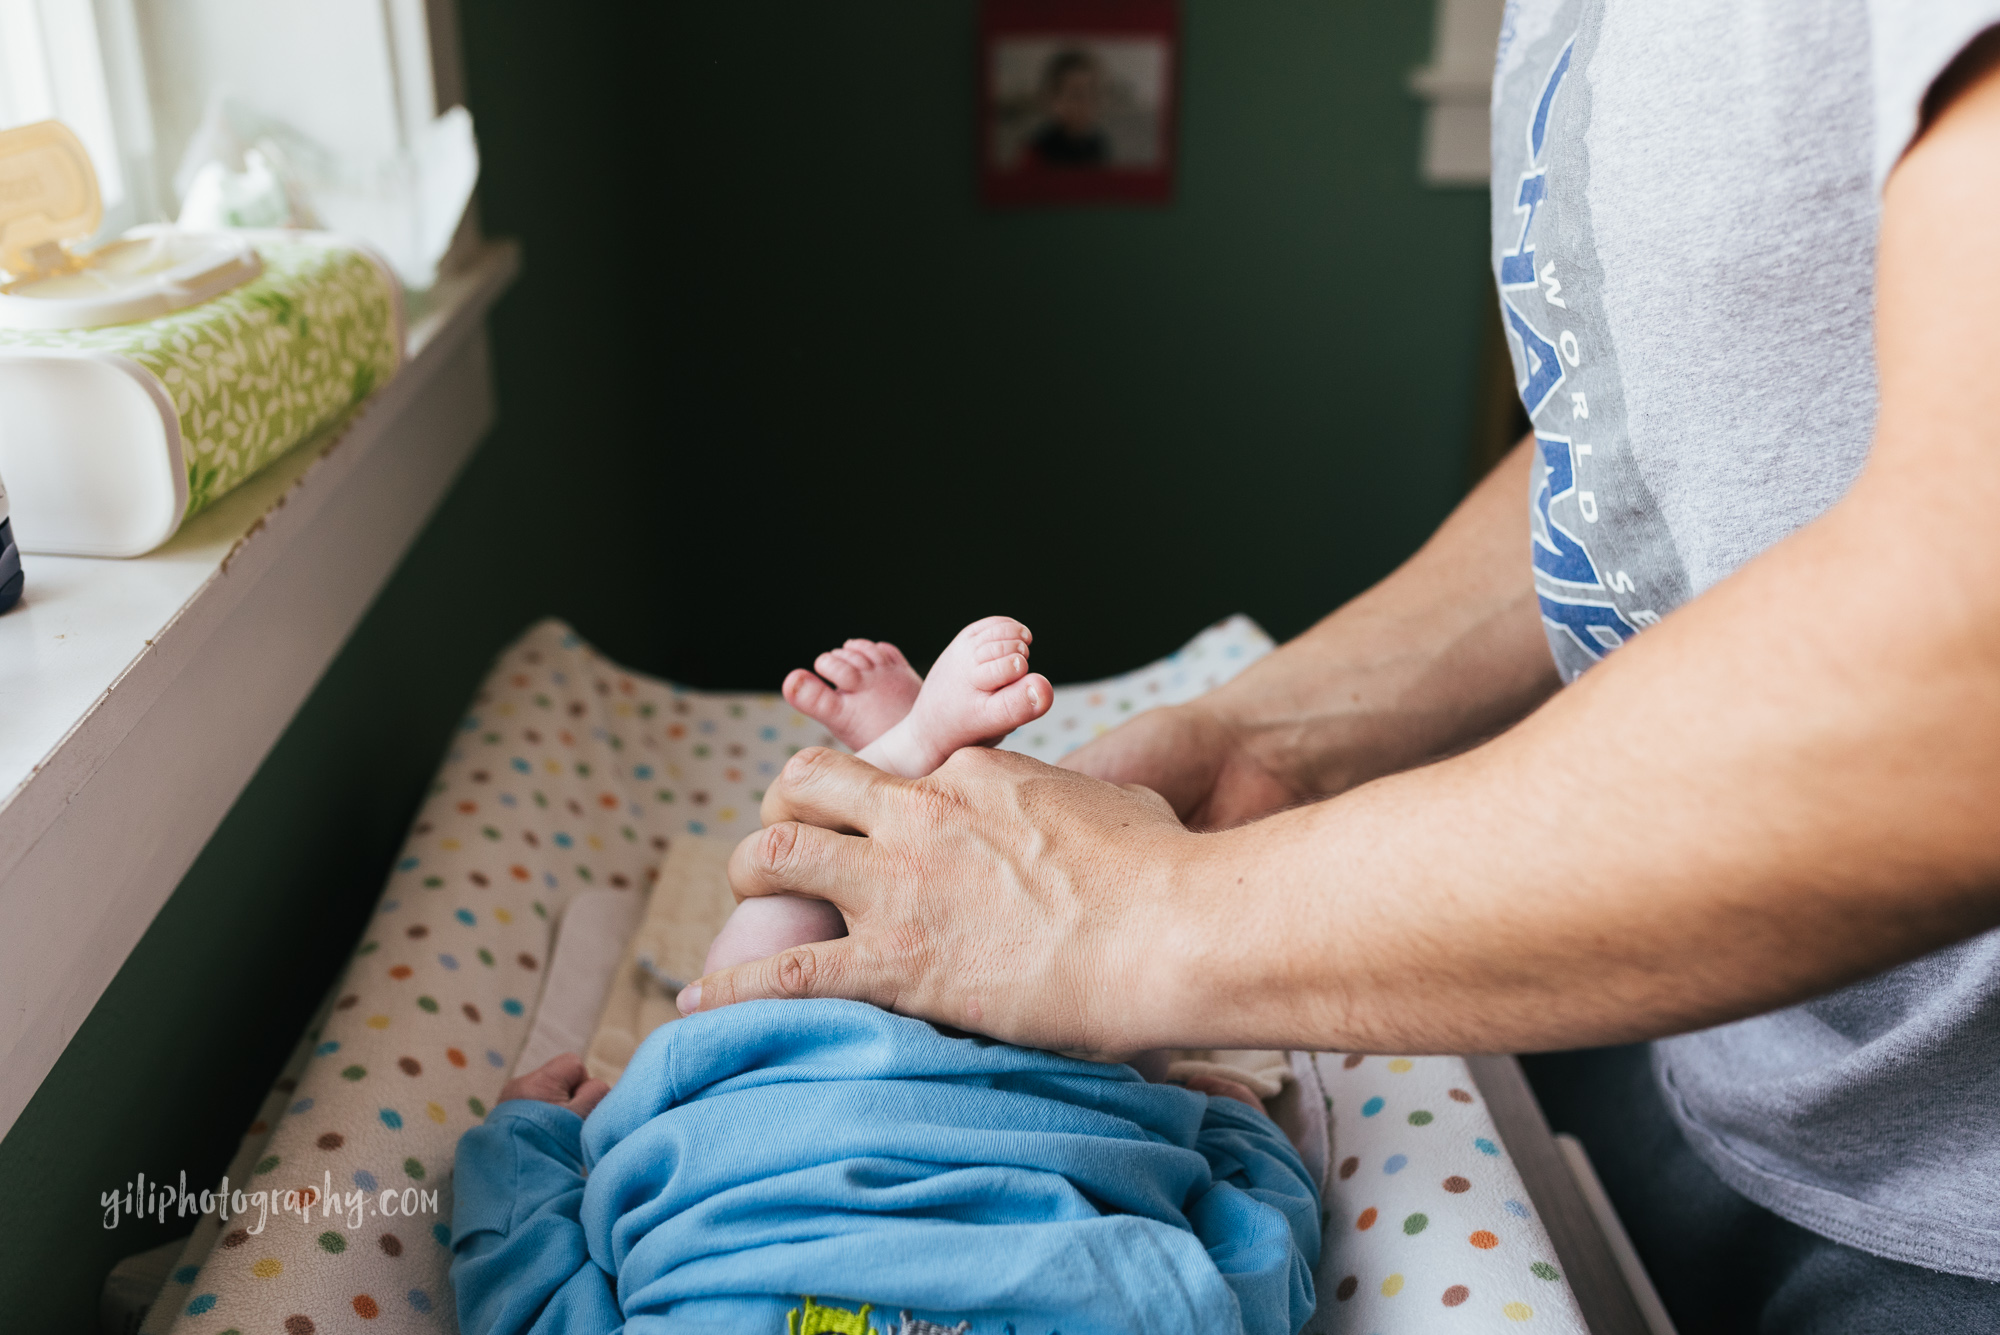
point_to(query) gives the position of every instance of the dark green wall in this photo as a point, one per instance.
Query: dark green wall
(772, 378)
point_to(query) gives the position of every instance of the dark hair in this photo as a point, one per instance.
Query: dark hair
(1065, 63)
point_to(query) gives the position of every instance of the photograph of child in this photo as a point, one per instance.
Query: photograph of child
(1078, 116)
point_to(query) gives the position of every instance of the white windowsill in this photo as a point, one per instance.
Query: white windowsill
(138, 697)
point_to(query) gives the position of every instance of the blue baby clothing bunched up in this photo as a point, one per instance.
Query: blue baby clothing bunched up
(755, 1155)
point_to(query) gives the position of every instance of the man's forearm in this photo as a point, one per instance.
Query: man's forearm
(1747, 806)
(1446, 651)
(1789, 784)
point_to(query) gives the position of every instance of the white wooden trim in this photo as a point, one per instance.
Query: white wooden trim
(140, 696)
(1458, 84)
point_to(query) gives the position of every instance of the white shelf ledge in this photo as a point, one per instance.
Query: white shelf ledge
(138, 697)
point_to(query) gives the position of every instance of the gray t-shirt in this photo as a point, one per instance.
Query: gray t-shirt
(1685, 204)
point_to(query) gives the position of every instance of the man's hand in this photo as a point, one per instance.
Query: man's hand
(562, 1081)
(1195, 758)
(998, 895)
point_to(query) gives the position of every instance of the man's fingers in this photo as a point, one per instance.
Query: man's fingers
(829, 789)
(823, 969)
(791, 858)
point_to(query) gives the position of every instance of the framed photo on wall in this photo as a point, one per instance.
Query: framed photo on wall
(1078, 101)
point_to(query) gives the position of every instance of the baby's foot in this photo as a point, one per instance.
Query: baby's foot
(863, 689)
(979, 690)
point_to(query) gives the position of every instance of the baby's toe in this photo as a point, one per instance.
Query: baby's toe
(999, 647)
(805, 692)
(1002, 668)
(987, 629)
(1023, 702)
(838, 666)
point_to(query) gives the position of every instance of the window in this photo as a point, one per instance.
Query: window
(54, 65)
(1458, 84)
(136, 78)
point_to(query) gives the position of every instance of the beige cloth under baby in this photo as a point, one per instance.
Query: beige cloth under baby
(689, 904)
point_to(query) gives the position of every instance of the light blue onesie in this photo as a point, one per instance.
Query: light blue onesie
(754, 1155)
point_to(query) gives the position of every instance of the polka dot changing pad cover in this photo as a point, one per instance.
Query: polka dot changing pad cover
(571, 773)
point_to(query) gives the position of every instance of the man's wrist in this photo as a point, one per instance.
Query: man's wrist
(1177, 985)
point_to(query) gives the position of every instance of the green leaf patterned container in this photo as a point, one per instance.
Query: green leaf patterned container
(249, 375)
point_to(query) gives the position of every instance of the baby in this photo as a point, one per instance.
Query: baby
(799, 1166)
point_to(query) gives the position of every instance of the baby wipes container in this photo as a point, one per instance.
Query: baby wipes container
(89, 434)
(144, 377)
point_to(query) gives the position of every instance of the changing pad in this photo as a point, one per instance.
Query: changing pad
(571, 775)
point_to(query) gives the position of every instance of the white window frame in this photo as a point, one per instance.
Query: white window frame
(75, 61)
(1458, 85)
(123, 75)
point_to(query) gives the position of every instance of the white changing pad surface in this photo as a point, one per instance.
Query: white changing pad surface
(572, 777)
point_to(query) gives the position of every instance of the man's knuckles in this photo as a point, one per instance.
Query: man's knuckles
(803, 776)
(776, 854)
(796, 974)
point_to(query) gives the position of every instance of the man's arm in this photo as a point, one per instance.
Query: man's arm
(1446, 651)
(1787, 785)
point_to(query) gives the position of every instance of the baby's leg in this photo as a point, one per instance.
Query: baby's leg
(978, 691)
(761, 927)
(863, 689)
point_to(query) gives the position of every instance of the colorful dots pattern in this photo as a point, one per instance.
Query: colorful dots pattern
(553, 733)
(550, 787)
(1443, 1224)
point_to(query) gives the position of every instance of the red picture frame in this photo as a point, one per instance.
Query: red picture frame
(1078, 101)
